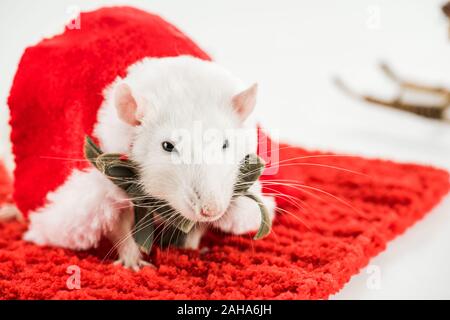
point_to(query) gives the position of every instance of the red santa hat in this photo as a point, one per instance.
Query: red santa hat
(58, 87)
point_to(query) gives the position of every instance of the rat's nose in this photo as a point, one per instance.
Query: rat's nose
(208, 213)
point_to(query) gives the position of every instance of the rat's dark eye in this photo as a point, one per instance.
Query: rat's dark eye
(225, 144)
(167, 146)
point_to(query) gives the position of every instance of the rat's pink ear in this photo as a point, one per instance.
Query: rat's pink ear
(126, 105)
(244, 102)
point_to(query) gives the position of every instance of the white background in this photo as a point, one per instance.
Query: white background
(293, 49)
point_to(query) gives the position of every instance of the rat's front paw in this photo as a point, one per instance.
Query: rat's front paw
(134, 265)
(193, 238)
(244, 216)
(130, 257)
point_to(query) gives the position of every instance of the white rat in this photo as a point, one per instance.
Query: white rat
(154, 115)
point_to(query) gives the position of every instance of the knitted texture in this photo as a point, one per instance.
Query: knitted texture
(312, 251)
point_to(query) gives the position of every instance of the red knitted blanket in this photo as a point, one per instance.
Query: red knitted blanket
(319, 240)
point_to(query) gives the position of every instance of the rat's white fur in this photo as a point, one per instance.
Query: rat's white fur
(171, 94)
(78, 213)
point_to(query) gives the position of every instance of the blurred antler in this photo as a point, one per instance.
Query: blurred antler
(437, 112)
(413, 86)
(446, 10)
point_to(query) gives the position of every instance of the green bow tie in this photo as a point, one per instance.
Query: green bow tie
(125, 174)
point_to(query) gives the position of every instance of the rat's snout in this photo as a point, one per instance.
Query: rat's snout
(209, 209)
(209, 206)
(208, 213)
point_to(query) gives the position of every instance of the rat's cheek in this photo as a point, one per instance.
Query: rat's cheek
(155, 182)
(179, 201)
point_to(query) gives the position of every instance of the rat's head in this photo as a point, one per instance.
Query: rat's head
(189, 135)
